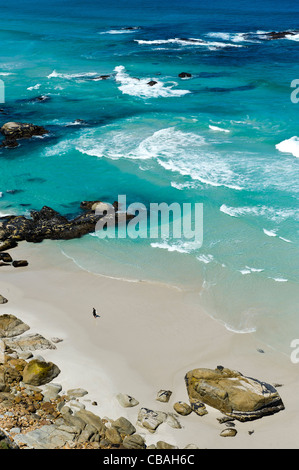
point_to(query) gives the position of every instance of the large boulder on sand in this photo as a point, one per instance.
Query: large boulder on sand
(39, 372)
(11, 326)
(235, 395)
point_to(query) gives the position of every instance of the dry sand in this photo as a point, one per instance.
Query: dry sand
(146, 339)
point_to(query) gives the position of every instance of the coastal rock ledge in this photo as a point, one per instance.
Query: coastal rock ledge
(242, 398)
(50, 224)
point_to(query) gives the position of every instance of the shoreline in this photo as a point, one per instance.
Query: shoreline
(147, 338)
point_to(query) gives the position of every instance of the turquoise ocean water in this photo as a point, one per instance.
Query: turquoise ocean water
(226, 138)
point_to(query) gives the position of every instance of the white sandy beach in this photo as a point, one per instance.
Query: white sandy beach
(146, 339)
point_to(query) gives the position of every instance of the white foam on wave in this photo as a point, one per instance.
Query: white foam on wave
(189, 42)
(182, 186)
(239, 331)
(249, 270)
(179, 246)
(270, 213)
(270, 233)
(292, 37)
(286, 240)
(180, 152)
(278, 279)
(70, 76)
(140, 88)
(206, 259)
(120, 31)
(216, 128)
(235, 37)
(289, 146)
(34, 87)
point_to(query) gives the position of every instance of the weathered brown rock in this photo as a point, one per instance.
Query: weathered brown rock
(20, 263)
(229, 432)
(150, 419)
(40, 372)
(3, 300)
(134, 442)
(11, 326)
(235, 395)
(164, 396)
(123, 426)
(30, 342)
(5, 257)
(7, 244)
(182, 408)
(13, 131)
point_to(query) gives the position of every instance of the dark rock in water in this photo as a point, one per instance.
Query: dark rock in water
(20, 263)
(39, 99)
(279, 34)
(100, 77)
(13, 131)
(185, 75)
(49, 224)
(131, 28)
(152, 83)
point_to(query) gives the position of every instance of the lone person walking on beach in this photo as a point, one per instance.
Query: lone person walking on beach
(94, 312)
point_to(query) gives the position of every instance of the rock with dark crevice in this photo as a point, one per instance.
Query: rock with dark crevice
(49, 224)
(235, 395)
(14, 131)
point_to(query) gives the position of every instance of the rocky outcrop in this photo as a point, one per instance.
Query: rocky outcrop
(279, 34)
(38, 372)
(13, 131)
(11, 326)
(50, 224)
(30, 342)
(36, 414)
(185, 75)
(235, 395)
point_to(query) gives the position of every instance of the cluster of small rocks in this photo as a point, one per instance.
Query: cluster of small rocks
(6, 260)
(36, 413)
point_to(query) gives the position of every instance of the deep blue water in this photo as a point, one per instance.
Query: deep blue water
(209, 139)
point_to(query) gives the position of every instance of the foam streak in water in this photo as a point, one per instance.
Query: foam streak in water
(141, 88)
